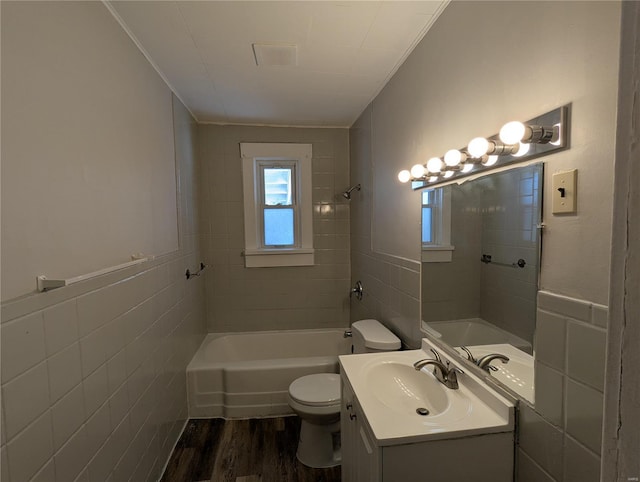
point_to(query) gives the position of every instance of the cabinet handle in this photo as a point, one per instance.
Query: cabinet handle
(352, 416)
(349, 406)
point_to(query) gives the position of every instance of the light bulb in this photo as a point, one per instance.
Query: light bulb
(512, 132)
(478, 147)
(433, 178)
(447, 174)
(434, 164)
(418, 171)
(404, 176)
(467, 167)
(524, 149)
(454, 157)
(489, 161)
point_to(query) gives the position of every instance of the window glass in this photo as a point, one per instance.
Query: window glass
(277, 186)
(278, 227)
(429, 204)
(427, 225)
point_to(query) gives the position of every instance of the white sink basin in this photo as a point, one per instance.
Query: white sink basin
(516, 374)
(390, 390)
(404, 389)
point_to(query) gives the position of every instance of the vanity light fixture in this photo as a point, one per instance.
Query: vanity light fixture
(514, 132)
(454, 157)
(489, 160)
(434, 165)
(517, 142)
(404, 176)
(418, 171)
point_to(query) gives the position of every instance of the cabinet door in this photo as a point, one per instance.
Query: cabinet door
(367, 453)
(348, 433)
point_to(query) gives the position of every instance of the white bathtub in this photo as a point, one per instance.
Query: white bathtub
(474, 331)
(245, 375)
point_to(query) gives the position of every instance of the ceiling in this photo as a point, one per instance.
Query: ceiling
(345, 53)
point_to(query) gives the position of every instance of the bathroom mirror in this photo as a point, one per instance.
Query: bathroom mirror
(485, 296)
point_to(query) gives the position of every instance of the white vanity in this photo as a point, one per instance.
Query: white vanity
(399, 424)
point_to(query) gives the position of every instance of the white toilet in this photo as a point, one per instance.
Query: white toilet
(316, 399)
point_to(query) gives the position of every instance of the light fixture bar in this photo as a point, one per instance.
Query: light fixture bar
(515, 144)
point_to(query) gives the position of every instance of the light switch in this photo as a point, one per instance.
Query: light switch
(564, 195)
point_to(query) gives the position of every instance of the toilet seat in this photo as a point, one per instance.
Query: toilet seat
(319, 390)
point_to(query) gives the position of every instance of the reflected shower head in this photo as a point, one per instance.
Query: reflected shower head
(347, 193)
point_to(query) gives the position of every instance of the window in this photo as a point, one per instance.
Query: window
(429, 215)
(436, 225)
(277, 204)
(279, 211)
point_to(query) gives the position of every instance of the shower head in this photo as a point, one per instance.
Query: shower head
(347, 193)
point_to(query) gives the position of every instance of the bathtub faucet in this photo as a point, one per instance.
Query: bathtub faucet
(445, 375)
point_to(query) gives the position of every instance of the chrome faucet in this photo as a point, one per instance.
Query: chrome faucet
(485, 361)
(445, 375)
(470, 356)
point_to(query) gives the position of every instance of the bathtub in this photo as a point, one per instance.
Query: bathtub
(247, 375)
(473, 331)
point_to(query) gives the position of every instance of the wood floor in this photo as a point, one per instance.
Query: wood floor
(257, 450)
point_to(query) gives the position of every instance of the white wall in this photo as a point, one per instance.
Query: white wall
(485, 63)
(482, 64)
(88, 174)
(93, 374)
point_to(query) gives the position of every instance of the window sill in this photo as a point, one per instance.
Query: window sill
(437, 254)
(270, 258)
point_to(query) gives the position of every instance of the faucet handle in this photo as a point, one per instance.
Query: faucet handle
(470, 356)
(436, 354)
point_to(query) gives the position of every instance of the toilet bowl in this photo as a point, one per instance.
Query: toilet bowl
(316, 399)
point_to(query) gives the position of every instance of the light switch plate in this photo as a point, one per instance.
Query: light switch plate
(564, 193)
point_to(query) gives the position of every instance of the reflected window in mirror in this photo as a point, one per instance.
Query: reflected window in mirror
(436, 225)
(430, 205)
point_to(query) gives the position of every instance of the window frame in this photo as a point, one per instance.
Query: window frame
(439, 250)
(254, 157)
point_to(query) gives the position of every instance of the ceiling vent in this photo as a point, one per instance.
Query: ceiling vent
(279, 55)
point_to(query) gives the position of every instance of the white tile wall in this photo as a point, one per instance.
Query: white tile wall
(570, 346)
(584, 414)
(67, 416)
(580, 465)
(241, 299)
(586, 353)
(93, 384)
(529, 471)
(65, 371)
(23, 343)
(391, 284)
(541, 441)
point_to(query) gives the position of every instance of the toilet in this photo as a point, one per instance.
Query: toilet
(316, 399)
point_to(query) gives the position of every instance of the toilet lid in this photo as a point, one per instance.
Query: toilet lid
(319, 389)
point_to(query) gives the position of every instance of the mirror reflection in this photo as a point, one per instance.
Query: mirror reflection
(482, 296)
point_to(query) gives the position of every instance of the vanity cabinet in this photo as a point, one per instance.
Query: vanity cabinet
(360, 456)
(486, 457)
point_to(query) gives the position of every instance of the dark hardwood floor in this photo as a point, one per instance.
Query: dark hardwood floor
(256, 450)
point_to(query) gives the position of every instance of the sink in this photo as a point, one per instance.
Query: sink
(404, 389)
(517, 374)
(390, 391)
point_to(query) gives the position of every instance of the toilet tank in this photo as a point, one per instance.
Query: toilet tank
(371, 336)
